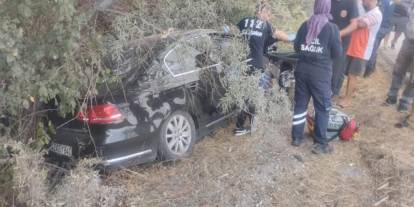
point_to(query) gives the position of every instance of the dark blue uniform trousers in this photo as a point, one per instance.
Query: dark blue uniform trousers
(320, 91)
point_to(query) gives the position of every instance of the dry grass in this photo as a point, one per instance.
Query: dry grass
(258, 170)
(263, 170)
(386, 151)
(30, 177)
(80, 188)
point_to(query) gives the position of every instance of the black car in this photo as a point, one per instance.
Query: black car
(159, 110)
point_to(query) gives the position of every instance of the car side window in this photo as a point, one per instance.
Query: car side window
(181, 59)
(190, 56)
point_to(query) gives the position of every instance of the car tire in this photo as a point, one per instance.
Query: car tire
(177, 136)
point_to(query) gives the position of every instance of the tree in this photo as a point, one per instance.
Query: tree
(48, 49)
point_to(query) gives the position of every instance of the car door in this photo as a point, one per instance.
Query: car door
(189, 62)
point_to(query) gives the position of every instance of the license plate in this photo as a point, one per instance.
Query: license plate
(61, 149)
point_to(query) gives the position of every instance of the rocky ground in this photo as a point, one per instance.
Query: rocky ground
(377, 169)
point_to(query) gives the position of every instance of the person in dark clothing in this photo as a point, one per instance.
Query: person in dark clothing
(404, 65)
(318, 44)
(343, 11)
(260, 35)
(399, 21)
(387, 9)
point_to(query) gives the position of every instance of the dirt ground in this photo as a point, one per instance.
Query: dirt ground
(377, 169)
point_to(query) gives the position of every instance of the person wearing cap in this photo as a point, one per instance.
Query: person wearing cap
(403, 66)
(317, 44)
(259, 34)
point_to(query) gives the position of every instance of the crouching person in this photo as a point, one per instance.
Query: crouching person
(317, 43)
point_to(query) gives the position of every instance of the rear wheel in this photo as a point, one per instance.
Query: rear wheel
(177, 136)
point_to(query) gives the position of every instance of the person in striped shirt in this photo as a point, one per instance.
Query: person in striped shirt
(364, 30)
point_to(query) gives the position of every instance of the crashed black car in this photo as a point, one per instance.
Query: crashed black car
(159, 110)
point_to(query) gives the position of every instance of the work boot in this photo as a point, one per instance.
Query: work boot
(321, 149)
(391, 100)
(296, 142)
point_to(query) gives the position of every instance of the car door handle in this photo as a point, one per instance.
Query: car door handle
(192, 86)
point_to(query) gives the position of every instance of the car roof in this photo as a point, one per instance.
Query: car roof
(154, 44)
(172, 36)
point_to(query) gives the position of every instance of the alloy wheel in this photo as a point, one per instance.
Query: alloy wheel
(178, 135)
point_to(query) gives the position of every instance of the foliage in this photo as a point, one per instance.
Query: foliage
(52, 48)
(6, 177)
(149, 18)
(29, 177)
(270, 107)
(81, 187)
(48, 49)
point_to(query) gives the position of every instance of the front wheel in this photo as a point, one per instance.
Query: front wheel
(177, 136)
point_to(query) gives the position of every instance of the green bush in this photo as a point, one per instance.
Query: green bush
(48, 49)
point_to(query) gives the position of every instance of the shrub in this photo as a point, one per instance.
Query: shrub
(48, 49)
(30, 177)
(82, 187)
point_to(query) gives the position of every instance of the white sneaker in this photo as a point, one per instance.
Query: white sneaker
(241, 131)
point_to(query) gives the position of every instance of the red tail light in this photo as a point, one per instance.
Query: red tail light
(101, 114)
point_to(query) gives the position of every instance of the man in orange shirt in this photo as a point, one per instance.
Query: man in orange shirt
(364, 30)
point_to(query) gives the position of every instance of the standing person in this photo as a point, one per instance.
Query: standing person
(317, 43)
(399, 21)
(343, 11)
(387, 9)
(404, 65)
(260, 35)
(364, 30)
